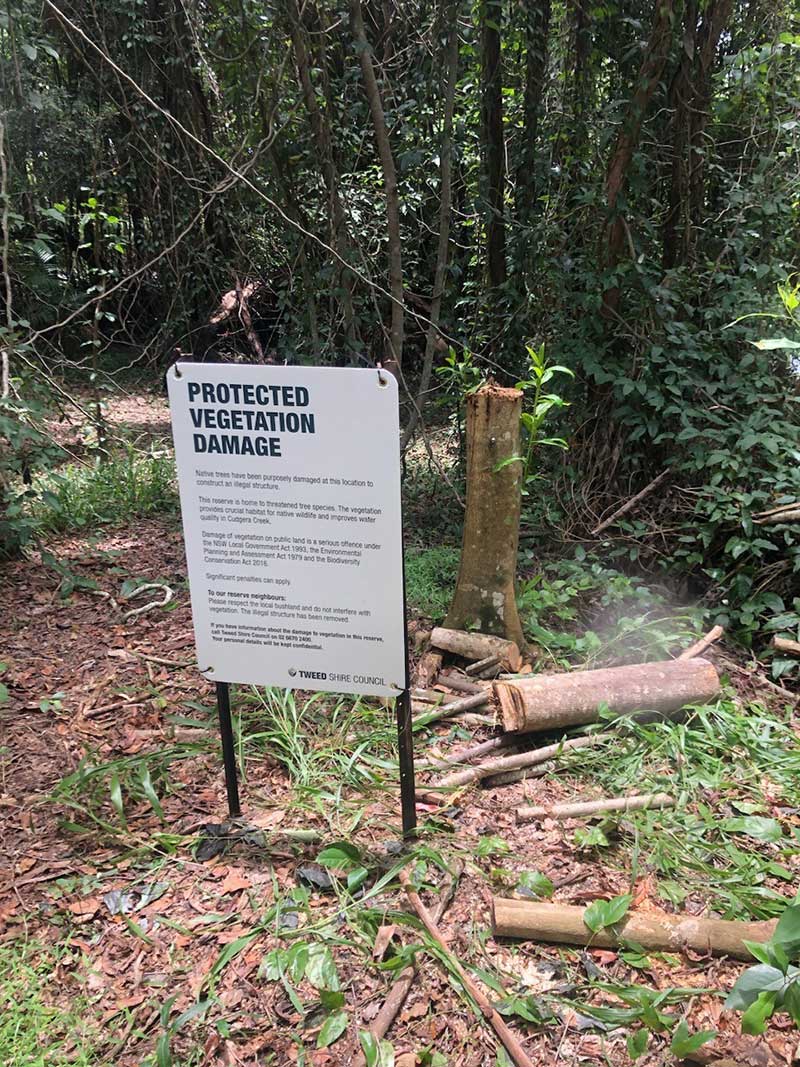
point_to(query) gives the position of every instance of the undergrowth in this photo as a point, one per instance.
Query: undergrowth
(34, 1030)
(122, 488)
(735, 774)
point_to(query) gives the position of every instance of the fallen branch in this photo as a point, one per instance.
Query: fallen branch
(396, 997)
(475, 646)
(550, 701)
(630, 504)
(459, 684)
(482, 665)
(699, 647)
(563, 923)
(793, 506)
(595, 807)
(456, 707)
(522, 775)
(153, 603)
(464, 755)
(791, 514)
(784, 644)
(515, 763)
(510, 1041)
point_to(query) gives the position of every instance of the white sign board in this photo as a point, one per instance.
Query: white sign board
(290, 493)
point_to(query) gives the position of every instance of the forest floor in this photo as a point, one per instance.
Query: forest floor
(137, 927)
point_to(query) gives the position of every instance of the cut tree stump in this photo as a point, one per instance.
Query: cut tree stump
(552, 701)
(563, 923)
(485, 596)
(476, 646)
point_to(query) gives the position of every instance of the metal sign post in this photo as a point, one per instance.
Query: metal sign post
(289, 482)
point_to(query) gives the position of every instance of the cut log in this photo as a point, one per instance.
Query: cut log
(515, 763)
(699, 647)
(563, 923)
(427, 669)
(475, 646)
(551, 701)
(595, 807)
(784, 644)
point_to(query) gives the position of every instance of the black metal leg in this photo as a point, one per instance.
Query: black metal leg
(405, 738)
(228, 753)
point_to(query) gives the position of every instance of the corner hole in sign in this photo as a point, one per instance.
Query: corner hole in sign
(207, 670)
(177, 371)
(383, 381)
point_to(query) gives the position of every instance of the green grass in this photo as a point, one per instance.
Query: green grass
(123, 488)
(430, 580)
(34, 1030)
(734, 771)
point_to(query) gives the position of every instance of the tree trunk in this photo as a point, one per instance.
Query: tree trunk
(494, 145)
(564, 924)
(485, 591)
(537, 32)
(394, 358)
(432, 337)
(552, 701)
(320, 128)
(674, 233)
(627, 141)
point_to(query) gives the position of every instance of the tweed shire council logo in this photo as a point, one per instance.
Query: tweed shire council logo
(292, 672)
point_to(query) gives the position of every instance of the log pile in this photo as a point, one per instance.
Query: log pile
(524, 704)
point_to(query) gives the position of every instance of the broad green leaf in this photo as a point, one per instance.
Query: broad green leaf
(754, 1020)
(377, 1053)
(756, 980)
(320, 968)
(637, 1043)
(534, 883)
(115, 790)
(332, 1029)
(603, 913)
(683, 1043)
(757, 826)
(340, 857)
(787, 932)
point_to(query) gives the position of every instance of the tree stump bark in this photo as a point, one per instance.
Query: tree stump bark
(485, 591)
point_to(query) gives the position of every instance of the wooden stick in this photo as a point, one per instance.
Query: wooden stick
(595, 807)
(659, 932)
(776, 511)
(699, 647)
(482, 665)
(459, 684)
(464, 755)
(784, 644)
(396, 998)
(629, 504)
(792, 515)
(475, 700)
(522, 775)
(514, 763)
(510, 1041)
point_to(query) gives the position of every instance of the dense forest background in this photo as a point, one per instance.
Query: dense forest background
(437, 186)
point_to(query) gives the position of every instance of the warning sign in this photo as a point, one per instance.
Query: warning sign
(290, 494)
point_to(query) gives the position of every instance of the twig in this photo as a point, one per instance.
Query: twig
(396, 997)
(514, 763)
(699, 647)
(464, 755)
(630, 504)
(595, 807)
(510, 1041)
(482, 665)
(476, 700)
(165, 662)
(153, 603)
